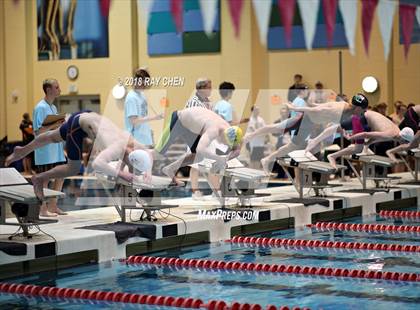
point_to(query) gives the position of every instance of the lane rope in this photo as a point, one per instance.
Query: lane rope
(277, 242)
(169, 301)
(272, 268)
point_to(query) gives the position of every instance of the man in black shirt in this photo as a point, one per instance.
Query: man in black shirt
(294, 89)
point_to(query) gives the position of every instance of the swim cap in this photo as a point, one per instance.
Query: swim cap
(360, 100)
(407, 134)
(233, 135)
(140, 160)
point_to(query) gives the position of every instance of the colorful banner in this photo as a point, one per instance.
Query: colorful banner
(407, 13)
(209, 13)
(143, 10)
(287, 12)
(105, 5)
(309, 13)
(262, 10)
(368, 9)
(235, 10)
(348, 9)
(386, 10)
(330, 15)
(177, 12)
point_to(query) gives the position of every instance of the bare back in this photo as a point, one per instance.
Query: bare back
(201, 120)
(102, 131)
(330, 112)
(378, 122)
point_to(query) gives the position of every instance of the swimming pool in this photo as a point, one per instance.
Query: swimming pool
(293, 290)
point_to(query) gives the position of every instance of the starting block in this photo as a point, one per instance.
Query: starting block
(312, 173)
(237, 180)
(137, 195)
(18, 194)
(415, 154)
(374, 167)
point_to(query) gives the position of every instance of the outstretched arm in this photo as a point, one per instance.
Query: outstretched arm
(104, 158)
(391, 153)
(373, 136)
(416, 140)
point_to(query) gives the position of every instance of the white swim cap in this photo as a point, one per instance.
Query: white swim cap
(140, 160)
(407, 134)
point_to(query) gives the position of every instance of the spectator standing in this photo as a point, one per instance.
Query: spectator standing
(27, 136)
(294, 89)
(136, 114)
(51, 155)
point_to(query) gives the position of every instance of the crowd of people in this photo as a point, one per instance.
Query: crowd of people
(309, 120)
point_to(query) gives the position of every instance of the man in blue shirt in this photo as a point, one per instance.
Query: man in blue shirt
(136, 111)
(51, 155)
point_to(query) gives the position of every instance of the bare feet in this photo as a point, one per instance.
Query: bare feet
(45, 213)
(16, 155)
(38, 185)
(332, 161)
(60, 212)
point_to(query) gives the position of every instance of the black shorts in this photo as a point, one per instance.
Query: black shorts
(175, 132)
(43, 168)
(73, 134)
(411, 120)
(257, 153)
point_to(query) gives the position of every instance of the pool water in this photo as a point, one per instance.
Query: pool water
(315, 292)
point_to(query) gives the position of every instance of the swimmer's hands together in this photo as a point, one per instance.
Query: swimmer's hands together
(392, 156)
(125, 175)
(147, 177)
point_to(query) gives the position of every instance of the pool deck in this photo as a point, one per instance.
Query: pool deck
(75, 245)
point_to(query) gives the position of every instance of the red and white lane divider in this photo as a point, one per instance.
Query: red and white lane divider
(169, 301)
(365, 227)
(400, 214)
(325, 244)
(258, 267)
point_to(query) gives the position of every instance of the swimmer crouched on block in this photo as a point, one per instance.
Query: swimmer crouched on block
(197, 128)
(110, 144)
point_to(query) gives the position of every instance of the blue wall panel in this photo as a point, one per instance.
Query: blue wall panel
(193, 21)
(164, 43)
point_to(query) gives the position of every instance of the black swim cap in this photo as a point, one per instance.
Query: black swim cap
(360, 100)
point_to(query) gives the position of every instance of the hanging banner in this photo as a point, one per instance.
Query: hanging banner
(105, 5)
(143, 10)
(235, 10)
(209, 13)
(348, 9)
(368, 9)
(330, 15)
(309, 13)
(386, 11)
(287, 12)
(262, 9)
(407, 13)
(177, 11)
